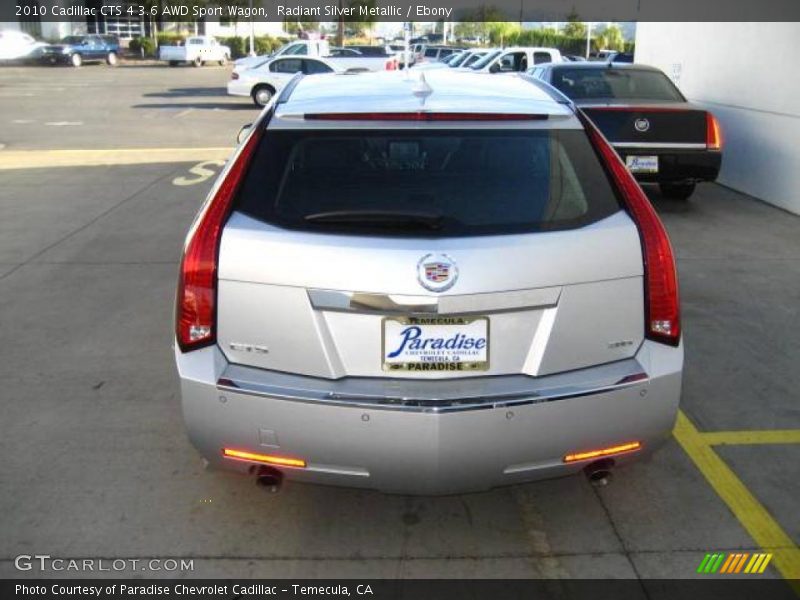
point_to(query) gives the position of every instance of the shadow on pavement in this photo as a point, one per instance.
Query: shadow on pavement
(244, 106)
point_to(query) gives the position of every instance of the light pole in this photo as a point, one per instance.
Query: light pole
(252, 32)
(588, 39)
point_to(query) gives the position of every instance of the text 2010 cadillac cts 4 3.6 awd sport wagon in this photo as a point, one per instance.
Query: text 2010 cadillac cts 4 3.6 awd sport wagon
(426, 287)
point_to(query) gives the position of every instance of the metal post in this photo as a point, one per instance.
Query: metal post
(252, 32)
(588, 39)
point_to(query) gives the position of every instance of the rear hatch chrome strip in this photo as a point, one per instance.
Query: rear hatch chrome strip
(415, 395)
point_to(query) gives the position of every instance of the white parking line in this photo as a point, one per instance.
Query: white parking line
(38, 159)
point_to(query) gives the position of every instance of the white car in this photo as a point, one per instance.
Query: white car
(18, 45)
(197, 50)
(261, 83)
(515, 60)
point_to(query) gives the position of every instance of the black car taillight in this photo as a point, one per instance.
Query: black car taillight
(196, 311)
(662, 304)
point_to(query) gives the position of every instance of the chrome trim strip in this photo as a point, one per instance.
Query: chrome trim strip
(657, 145)
(388, 304)
(428, 404)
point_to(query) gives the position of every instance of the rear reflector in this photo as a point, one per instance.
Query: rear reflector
(195, 310)
(281, 461)
(423, 116)
(662, 305)
(603, 452)
(713, 133)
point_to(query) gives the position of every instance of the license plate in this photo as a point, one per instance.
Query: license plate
(435, 344)
(642, 164)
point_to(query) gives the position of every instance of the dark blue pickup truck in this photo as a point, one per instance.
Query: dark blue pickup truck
(78, 49)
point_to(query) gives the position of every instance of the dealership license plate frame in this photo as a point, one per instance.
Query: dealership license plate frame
(631, 159)
(454, 321)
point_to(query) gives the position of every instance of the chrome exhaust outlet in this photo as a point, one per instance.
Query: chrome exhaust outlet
(269, 479)
(599, 472)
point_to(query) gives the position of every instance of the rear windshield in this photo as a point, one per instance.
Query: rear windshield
(580, 84)
(486, 59)
(434, 183)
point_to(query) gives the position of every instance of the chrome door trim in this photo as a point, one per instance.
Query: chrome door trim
(657, 145)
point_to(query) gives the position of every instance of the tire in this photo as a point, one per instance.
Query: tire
(112, 59)
(76, 60)
(677, 191)
(224, 61)
(262, 94)
(198, 62)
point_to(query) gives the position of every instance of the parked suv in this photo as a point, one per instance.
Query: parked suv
(78, 49)
(383, 290)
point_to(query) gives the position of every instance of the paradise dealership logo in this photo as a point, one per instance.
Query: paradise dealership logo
(733, 563)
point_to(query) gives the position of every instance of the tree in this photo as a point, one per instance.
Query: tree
(574, 28)
(610, 38)
(501, 31)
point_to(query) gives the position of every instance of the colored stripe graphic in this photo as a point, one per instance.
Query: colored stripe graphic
(735, 562)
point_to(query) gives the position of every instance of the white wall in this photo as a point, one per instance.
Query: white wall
(747, 74)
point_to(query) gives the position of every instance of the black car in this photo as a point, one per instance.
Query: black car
(661, 137)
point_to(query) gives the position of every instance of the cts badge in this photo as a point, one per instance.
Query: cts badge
(437, 272)
(641, 125)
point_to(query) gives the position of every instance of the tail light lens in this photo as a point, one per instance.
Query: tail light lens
(391, 64)
(713, 133)
(662, 304)
(196, 311)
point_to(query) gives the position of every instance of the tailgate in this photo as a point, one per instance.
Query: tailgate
(319, 304)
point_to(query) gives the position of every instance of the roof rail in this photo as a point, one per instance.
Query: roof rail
(287, 90)
(551, 91)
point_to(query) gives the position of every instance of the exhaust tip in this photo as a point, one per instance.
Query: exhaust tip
(269, 479)
(599, 472)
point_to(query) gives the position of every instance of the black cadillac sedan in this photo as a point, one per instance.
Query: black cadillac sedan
(661, 137)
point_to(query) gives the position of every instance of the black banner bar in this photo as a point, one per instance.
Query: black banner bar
(731, 588)
(401, 10)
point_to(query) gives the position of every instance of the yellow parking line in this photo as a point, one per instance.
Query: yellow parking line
(764, 530)
(37, 159)
(766, 436)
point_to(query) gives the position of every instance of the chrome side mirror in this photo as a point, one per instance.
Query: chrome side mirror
(243, 133)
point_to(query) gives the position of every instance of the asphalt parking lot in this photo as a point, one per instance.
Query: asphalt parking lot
(95, 460)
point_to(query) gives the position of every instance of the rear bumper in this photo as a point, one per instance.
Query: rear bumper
(408, 445)
(676, 165)
(236, 87)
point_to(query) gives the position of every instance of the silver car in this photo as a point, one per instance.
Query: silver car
(426, 285)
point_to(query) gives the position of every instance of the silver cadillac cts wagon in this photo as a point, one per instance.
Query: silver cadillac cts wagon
(426, 286)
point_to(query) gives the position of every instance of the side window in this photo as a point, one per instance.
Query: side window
(514, 61)
(315, 66)
(297, 50)
(291, 66)
(541, 57)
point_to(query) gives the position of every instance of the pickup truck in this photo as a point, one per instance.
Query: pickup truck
(78, 49)
(197, 50)
(515, 60)
(295, 48)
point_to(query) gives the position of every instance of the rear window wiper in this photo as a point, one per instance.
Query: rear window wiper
(430, 220)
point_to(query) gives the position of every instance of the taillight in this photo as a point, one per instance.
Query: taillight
(713, 133)
(195, 311)
(391, 64)
(662, 305)
(424, 116)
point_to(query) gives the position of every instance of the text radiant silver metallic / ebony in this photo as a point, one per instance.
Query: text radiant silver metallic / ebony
(385, 291)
